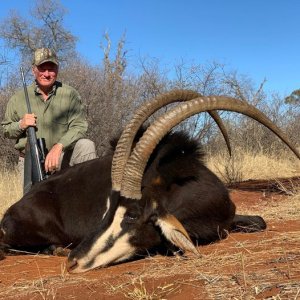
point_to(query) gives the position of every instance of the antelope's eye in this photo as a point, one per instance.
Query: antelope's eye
(131, 217)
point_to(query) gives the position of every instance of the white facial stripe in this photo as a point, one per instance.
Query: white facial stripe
(121, 250)
(112, 231)
(107, 207)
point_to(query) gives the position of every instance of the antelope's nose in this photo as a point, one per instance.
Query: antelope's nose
(72, 264)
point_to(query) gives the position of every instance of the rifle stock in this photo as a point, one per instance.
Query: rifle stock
(36, 146)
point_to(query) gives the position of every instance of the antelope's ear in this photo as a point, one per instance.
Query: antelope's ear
(174, 231)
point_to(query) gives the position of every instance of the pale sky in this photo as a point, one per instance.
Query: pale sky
(258, 38)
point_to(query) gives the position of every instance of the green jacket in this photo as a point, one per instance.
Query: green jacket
(59, 120)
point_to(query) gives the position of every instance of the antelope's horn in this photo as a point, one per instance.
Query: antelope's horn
(133, 173)
(123, 149)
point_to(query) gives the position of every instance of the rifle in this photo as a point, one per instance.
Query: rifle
(37, 147)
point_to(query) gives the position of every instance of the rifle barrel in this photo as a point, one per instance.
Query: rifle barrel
(37, 170)
(25, 91)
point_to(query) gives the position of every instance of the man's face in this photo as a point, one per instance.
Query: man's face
(45, 74)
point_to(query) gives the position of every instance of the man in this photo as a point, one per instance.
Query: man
(58, 116)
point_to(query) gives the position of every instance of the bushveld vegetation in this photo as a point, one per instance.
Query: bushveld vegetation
(114, 88)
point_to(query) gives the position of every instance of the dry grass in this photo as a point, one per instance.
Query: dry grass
(10, 188)
(275, 207)
(264, 269)
(138, 289)
(243, 166)
(260, 269)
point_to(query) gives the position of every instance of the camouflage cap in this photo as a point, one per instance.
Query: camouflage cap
(43, 55)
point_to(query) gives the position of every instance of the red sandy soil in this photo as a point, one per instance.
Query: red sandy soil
(263, 265)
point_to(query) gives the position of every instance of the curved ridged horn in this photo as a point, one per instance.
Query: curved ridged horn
(133, 173)
(123, 149)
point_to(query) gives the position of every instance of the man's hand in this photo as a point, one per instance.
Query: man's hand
(27, 120)
(52, 158)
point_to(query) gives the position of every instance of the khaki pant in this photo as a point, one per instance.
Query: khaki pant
(83, 150)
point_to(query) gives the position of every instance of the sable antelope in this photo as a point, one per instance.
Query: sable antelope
(159, 194)
(163, 193)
